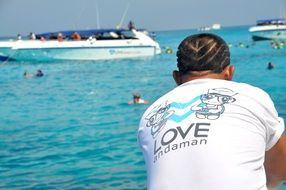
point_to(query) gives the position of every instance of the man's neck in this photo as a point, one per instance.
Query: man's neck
(187, 78)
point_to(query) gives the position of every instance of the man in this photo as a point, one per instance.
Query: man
(211, 132)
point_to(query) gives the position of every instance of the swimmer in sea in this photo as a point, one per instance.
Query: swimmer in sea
(270, 66)
(27, 75)
(137, 99)
(39, 73)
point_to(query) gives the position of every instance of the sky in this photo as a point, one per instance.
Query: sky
(25, 16)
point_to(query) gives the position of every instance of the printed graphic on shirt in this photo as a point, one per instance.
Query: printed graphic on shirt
(182, 106)
(158, 117)
(180, 138)
(212, 103)
(206, 106)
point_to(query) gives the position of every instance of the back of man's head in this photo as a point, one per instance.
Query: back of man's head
(203, 52)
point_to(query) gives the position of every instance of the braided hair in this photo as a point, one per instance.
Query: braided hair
(203, 52)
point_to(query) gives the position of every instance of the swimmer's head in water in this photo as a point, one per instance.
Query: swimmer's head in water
(136, 95)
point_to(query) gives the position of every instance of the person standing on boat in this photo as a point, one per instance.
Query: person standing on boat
(211, 132)
(131, 25)
(42, 38)
(32, 36)
(19, 37)
(76, 36)
(60, 37)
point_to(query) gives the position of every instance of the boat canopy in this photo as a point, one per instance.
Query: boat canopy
(97, 33)
(271, 21)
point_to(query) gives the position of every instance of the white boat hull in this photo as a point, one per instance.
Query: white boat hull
(82, 53)
(271, 32)
(92, 49)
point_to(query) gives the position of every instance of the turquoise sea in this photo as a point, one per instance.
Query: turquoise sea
(73, 128)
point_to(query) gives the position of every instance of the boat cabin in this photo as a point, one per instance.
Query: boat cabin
(278, 21)
(104, 34)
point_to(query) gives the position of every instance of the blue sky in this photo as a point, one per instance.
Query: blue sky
(24, 16)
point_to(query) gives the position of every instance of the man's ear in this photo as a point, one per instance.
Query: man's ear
(177, 77)
(228, 72)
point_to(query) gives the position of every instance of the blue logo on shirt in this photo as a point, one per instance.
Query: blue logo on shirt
(206, 106)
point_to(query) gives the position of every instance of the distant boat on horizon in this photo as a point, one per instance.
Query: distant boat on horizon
(269, 29)
(215, 26)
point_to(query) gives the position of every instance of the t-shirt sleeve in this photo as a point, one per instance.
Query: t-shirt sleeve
(273, 123)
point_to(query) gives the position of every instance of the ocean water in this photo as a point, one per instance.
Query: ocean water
(73, 128)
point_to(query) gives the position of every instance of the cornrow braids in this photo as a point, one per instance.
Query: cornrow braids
(202, 52)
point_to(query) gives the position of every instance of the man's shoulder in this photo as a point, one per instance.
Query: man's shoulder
(248, 88)
(238, 85)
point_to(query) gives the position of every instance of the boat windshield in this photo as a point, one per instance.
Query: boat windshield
(271, 22)
(98, 34)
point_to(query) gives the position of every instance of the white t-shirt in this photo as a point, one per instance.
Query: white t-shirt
(209, 134)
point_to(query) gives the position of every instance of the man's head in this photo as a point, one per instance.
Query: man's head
(203, 56)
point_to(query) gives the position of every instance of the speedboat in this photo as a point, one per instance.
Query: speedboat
(100, 44)
(271, 29)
